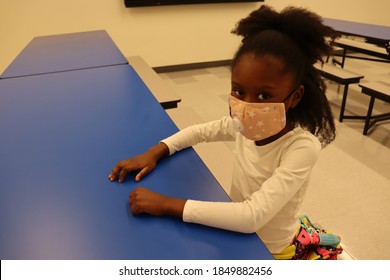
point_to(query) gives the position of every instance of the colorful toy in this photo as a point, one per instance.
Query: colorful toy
(315, 243)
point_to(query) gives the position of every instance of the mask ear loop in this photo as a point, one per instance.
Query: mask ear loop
(291, 93)
(285, 99)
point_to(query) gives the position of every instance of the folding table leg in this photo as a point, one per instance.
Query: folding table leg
(368, 118)
(343, 102)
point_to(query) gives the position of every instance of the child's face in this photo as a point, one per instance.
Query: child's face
(261, 79)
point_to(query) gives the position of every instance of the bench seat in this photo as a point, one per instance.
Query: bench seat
(342, 77)
(375, 90)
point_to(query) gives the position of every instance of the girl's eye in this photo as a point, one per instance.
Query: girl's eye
(264, 96)
(237, 92)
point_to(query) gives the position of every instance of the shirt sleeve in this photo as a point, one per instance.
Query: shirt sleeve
(220, 130)
(251, 215)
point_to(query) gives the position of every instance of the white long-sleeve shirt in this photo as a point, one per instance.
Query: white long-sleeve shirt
(268, 186)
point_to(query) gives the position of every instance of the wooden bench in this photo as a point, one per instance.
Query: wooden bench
(342, 77)
(374, 90)
(361, 47)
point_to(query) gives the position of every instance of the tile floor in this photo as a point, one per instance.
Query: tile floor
(350, 186)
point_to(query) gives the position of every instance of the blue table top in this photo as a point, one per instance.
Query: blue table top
(62, 133)
(373, 31)
(65, 52)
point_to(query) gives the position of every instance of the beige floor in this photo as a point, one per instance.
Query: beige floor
(350, 187)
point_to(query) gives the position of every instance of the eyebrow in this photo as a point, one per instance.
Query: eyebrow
(259, 88)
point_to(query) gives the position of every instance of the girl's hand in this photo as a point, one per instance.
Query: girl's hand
(143, 200)
(145, 162)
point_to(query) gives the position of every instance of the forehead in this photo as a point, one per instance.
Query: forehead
(261, 70)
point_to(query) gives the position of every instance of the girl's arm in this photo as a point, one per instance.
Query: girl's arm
(247, 216)
(143, 200)
(275, 193)
(220, 130)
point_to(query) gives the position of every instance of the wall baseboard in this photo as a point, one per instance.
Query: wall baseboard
(191, 66)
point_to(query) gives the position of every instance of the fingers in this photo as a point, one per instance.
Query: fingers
(123, 171)
(122, 175)
(135, 203)
(132, 201)
(142, 162)
(134, 208)
(114, 172)
(144, 171)
(120, 170)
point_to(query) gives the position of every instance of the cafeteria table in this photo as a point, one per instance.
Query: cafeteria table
(376, 39)
(372, 32)
(62, 133)
(65, 52)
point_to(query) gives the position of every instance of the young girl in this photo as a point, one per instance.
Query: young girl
(280, 118)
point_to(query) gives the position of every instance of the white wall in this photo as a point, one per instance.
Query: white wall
(163, 36)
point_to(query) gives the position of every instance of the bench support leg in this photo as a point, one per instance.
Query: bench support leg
(343, 102)
(368, 118)
(335, 61)
(343, 60)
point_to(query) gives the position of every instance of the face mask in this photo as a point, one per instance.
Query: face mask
(257, 121)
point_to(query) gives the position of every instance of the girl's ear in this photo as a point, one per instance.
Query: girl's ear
(297, 96)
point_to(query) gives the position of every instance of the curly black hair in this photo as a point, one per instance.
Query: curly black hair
(299, 38)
